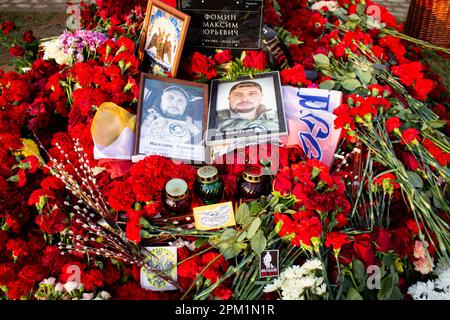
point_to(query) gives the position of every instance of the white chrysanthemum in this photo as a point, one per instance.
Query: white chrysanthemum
(270, 288)
(331, 5)
(71, 286)
(307, 282)
(443, 280)
(312, 265)
(59, 287)
(50, 281)
(105, 295)
(52, 50)
(87, 296)
(321, 289)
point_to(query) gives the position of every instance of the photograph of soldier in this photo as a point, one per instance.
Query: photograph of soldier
(246, 110)
(171, 118)
(166, 118)
(246, 107)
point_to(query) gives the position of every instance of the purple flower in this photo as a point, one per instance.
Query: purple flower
(74, 43)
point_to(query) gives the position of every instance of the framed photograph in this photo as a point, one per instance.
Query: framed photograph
(162, 39)
(171, 119)
(248, 109)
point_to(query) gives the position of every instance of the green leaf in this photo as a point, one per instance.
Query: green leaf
(360, 9)
(352, 294)
(253, 228)
(351, 84)
(364, 76)
(241, 236)
(144, 234)
(248, 221)
(353, 17)
(200, 241)
(436, 124)
(321, 59)
(359, 271)
(42, 203)
(242, 212)
(396, 294)
(279, 207)
(228, 235)
(328, 85)
(259, 242)
(415, 180)
(255, 207)
(144, 223)
(387, 286)
(231, 252)
(14, 178)
(273, 201)
(278, 226)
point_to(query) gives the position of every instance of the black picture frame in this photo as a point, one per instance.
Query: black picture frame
(195, 109)
(217, 135)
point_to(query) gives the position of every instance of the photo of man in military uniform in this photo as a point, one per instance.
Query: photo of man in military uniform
(246, 112)
(167, 121)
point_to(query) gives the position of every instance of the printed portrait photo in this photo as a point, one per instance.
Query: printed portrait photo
(246, 108)
(171, 118)
(163, 38)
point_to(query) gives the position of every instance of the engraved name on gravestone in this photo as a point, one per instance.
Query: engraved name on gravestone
(224, 24)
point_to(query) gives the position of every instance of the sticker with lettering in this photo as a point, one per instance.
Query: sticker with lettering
(269, 262)
(162, 259)
(214, 216)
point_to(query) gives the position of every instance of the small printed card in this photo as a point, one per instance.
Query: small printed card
(214, 216)
(162, 259)
(269, 261)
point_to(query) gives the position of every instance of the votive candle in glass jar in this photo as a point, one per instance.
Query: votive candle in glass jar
(209, 187)
(177, 198)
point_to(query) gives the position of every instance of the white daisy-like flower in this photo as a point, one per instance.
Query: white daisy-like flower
(71, 286)
(331, 5)
(87, 296)
(59, 287)
(50, 281)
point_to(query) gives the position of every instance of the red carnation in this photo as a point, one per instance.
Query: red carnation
(33, 273)
(17, 51)
(7, 26)
(222, 292)
(29, 37)
(422, 87)
(7, 273)
(53, 222)
(336, 240)
(282, 182)
(202, 65)
(409, 161)
(442, 157)
(363, 249)
(125, 44)
(223, 56)
(19, 289)
(382, 240)
(295, 76)
(17, 246)
(255, 60)
(92, 279)
(389, 177)
(133, 228)
(411, 135)
(392, 124)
